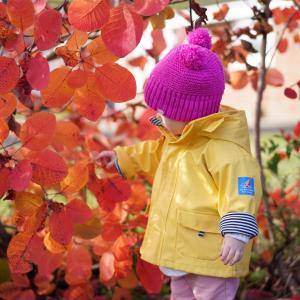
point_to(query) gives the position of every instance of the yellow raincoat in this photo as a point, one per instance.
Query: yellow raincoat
(206, 184)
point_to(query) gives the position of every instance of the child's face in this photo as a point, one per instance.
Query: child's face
(175, 127)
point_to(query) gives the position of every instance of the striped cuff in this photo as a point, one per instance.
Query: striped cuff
(238, 222)
(117, 166)
(155, 121)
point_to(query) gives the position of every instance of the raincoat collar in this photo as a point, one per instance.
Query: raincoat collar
(228, 124)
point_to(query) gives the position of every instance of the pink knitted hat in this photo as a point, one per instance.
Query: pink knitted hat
(188, 83)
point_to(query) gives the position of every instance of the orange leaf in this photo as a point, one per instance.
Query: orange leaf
(99, 52)
(106, 267)
(129, 282)
(61, 227)
(282, 45)
(77, 40)
(78, 211)
(274, 78)
(47, 29)
(121, 294)
(8, 103)
(88, 15)
(149, 7)
(100, 245)
(77, 79)
(74, 183)
(38, 130)
(150, 276)
(221, 13)
(53, 246)
(89, 102)
(116, 83)
(138, 62)
(79, 266)
(9, 75)
(123, 32)
(58, 92)
(27, 203)
(67, 134)
(89, 229)
(4, 181)
(48, 168)
(16, 253)
(4, 130)
(20, 13)
(20, 176)
(159, 43)
(239, 79)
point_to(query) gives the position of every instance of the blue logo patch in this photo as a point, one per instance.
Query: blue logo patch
(246, 186)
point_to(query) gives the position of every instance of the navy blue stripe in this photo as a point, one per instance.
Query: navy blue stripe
(241, 223)
(117, 166)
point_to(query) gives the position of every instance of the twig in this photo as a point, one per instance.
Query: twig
(191, 14)
(258, 114)
(281, 36)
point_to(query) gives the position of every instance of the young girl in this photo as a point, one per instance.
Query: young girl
(206, 188)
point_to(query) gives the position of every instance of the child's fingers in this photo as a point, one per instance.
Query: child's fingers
(236, 258)
(229, 256)
(110, 164)
(225, 252)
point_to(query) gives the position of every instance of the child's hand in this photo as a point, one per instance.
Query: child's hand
(232, 250)
(105, 159)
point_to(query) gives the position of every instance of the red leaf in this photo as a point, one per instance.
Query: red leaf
(8, 103)
(38, 72)
(21, 13)
(78, 211)
(16, 253)
(61, 227)
(257, 295)
(274, 78)
(79, 266)
(48, 168)
(38, 130)
(111, 231)
(149, 7)
(9, 75)
(88, 15)
(20, 176)
(282, 45)
(297, 130)
(116, 189)
(122, 33)
(150, 276)
(290, 93)
(47, 29)
(4, 181)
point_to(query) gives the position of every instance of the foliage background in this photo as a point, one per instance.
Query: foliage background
(68, 229)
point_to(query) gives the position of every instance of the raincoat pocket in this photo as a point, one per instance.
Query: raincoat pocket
(198, 235)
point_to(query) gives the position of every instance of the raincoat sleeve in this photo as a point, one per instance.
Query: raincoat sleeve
(142, 157)
(239, 194)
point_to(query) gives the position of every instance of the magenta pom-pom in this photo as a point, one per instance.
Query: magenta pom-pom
(200, 37)
(193, 57)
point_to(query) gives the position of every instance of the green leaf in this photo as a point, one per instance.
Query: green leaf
(4, 270)
(272, 164)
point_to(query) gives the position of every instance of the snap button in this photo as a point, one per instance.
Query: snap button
(201, 233)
